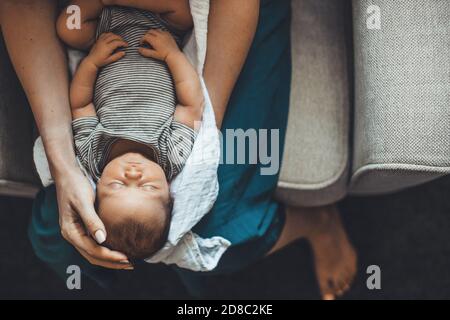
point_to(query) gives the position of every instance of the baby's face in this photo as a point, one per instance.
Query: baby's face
(132, 185)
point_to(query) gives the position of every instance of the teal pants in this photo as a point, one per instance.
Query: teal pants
(245, 212)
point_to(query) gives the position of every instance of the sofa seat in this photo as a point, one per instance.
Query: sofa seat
(17, 174)
(315, 168)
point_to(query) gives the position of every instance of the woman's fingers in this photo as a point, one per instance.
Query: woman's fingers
(86, 244)
(95, 254)
(75, 233)
(107, 264)
(92, 222)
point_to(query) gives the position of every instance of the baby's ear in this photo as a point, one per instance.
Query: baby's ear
(170, 204)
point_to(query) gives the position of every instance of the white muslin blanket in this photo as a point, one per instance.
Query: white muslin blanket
(195, 189)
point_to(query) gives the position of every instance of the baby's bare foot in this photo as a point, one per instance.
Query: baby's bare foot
(335, 257)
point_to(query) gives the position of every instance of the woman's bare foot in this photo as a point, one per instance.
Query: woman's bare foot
(335, 257)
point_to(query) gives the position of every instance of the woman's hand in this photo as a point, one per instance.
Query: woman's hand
(43, 74)
(104, 50)
(80, 223)
(162, 45)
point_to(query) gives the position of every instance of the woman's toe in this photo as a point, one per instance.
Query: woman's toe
(341, 289)
(329, 297)
(327, 288)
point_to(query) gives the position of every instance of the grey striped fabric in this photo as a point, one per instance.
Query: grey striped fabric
(135, 100)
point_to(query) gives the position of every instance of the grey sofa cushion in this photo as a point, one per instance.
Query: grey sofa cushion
(316, 160)
(17, 175)
(402, 107)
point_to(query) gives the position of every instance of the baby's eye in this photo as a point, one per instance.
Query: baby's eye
(116, 185)
(148, 187)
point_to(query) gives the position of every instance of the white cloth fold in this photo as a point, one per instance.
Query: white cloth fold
(195, 189)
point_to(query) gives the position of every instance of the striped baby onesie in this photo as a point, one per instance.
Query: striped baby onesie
(135, 100)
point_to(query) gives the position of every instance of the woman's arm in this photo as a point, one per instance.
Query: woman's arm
(38, 57)
(232, 26)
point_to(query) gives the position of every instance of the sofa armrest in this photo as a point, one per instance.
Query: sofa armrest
(402, 107)
(17, 133)
(315, 168)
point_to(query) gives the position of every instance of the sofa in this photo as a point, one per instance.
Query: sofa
(370, 106)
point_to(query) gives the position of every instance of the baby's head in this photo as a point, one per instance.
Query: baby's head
(134, 203)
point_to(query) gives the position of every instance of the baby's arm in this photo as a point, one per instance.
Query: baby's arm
(187, 82)
(177, 12)
(83, 38)
(83, 83)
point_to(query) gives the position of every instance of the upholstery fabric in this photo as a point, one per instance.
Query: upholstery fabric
(17, 176)
(316, 159)
(402, 107)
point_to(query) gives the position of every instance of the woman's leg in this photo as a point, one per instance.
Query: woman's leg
(245, 212)
(335, 257)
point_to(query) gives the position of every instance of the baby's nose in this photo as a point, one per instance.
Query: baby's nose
(133, 173)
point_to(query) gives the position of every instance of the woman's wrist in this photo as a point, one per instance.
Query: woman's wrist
(60, 155)
(63, 168)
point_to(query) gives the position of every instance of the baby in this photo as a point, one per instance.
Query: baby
(135, 99)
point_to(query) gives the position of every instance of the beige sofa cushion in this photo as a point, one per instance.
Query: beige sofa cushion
(402, 72)
(316, 160)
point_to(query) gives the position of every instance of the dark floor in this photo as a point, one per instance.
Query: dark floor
(406, 234)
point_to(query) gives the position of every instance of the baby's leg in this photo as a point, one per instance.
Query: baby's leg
(177, 13)
(181, 17)
(84, 37)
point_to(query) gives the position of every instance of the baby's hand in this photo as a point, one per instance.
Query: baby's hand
(161, 42)
(103, 52)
